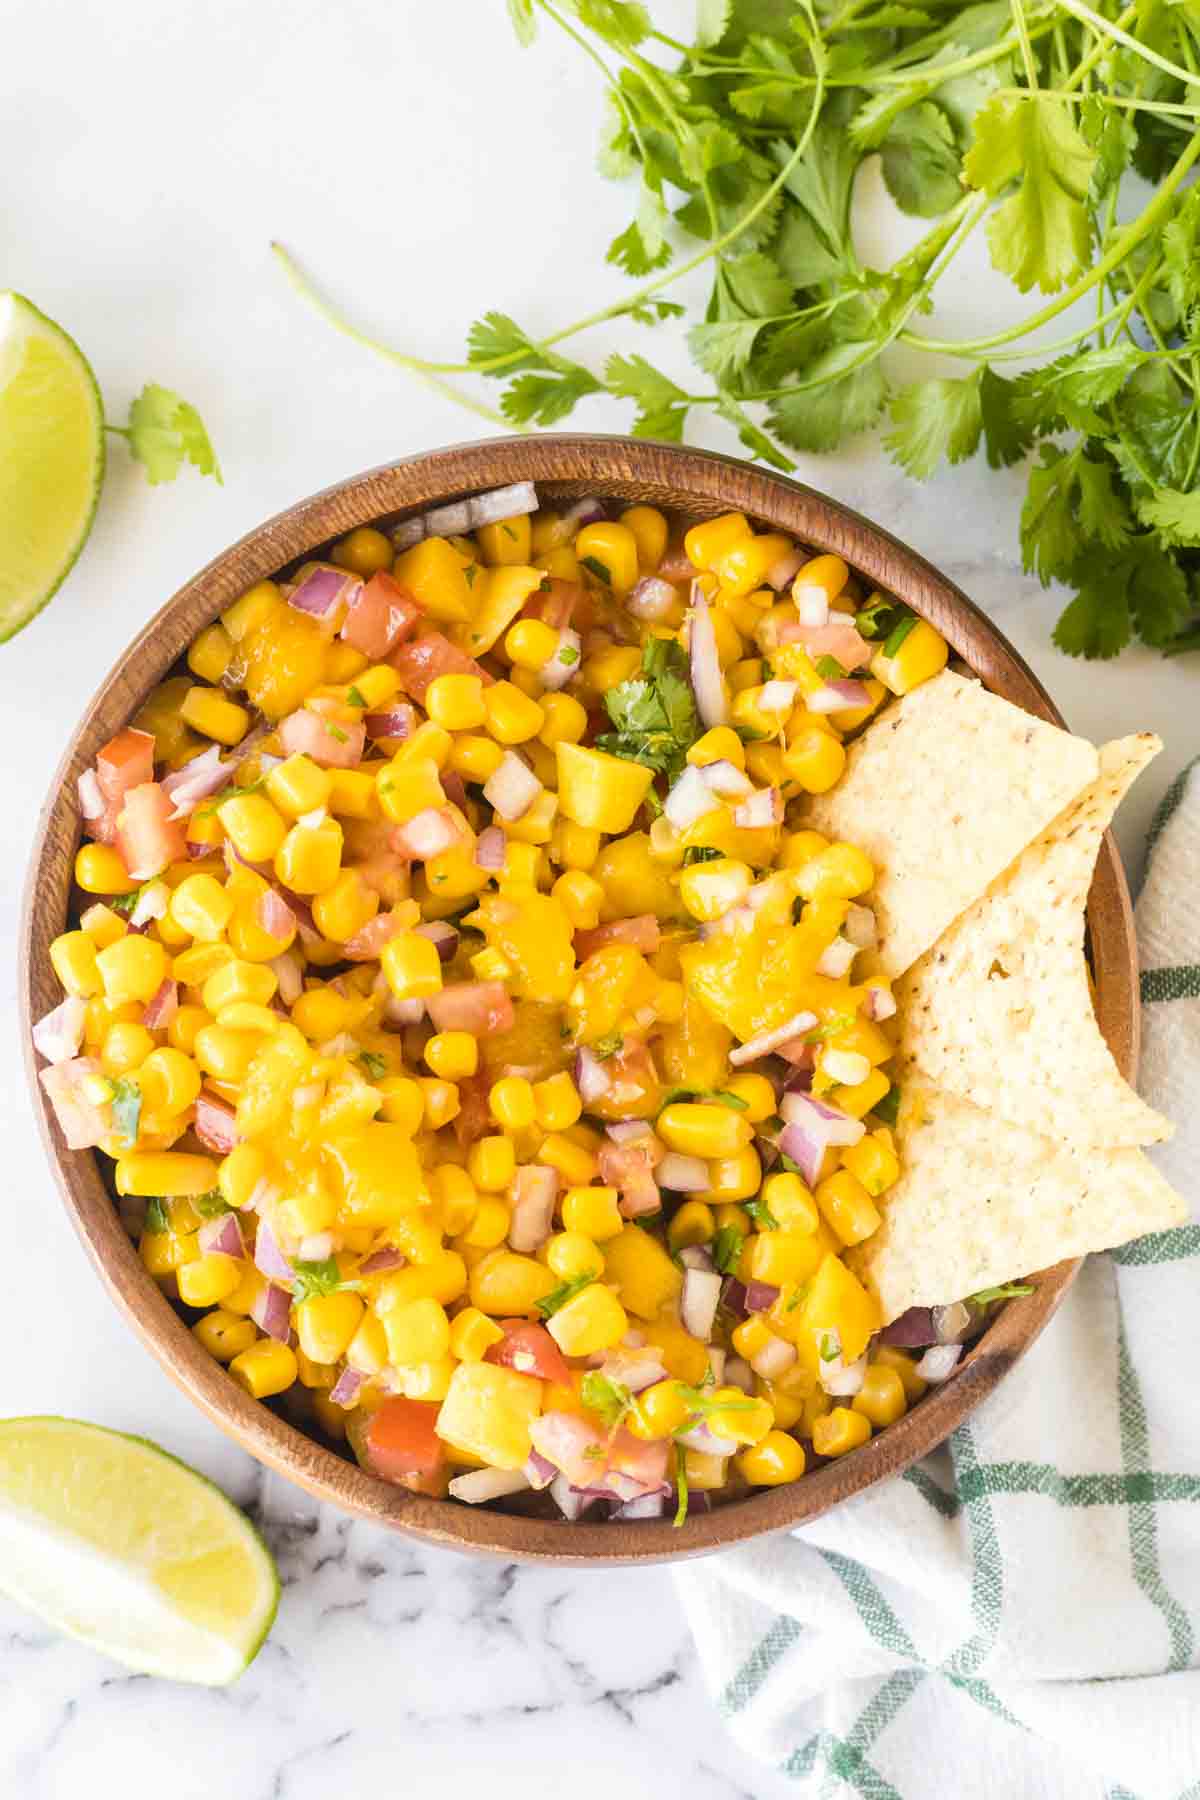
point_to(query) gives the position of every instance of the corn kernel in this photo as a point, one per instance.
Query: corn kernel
(557, 1103)
(403, 1102)
(265, 1369)
(297, 785)
(456, 702)
(576, 1165)
(512, 717)
(165, 1174)
(659, 1411)
(99, 870)
(888, 1356)
(472, 1335)
(454, 1055)
(239, 981)
(73, 957)
(345, 907)
(789, 1202)
(649, 528)
(489, 1227)
(840, 1431)
(125, 1046)
(564, 720)
(704, 1129)
(572, 1254)
(223, 1334)
(309, 858)
(593, 1211)
(511, 1101)
(134, 968)
(922, 653)
(693, 1223)
(778, 1458)
(208, 711)
(208, 1280)
(705, 545)
(593, 1320)
(881, 1398)
(491, 1163)
(364, 552)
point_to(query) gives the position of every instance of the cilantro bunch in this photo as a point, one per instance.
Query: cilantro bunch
(1028, 120)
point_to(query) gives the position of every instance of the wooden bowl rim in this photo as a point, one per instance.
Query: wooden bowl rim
(703, 482)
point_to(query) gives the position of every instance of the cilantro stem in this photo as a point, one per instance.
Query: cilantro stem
(427, 372)
(1018, 13)
(1099, 49)
(1165, 107)
(1107, 29)
(1126, 241)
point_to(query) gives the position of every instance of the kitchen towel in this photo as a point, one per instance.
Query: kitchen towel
(1017, 1617)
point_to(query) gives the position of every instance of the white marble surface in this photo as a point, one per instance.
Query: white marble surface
(426, 170)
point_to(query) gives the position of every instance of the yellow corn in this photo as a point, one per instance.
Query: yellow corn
(99, 870)
(840, 1431)
(412, 966)
(165, 1173)
(297, 785)
(456, 702)
(309, 858)
(364, 552)
(705, 545)
(704, 1129)
(134, 968)
(266, 1368)
(593, 1320)
(223, 1334)
(454, 1055)
(208, 711)
(776, 1459)
(923, 653)
(881, 1398)
(208, 1280)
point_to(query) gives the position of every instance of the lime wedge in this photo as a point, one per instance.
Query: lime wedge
(112, 1540)
(51, 458)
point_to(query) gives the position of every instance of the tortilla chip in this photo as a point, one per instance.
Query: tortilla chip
(981, 1202)
(1000, 1010)
(943, 791)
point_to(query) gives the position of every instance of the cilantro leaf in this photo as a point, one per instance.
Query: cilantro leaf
(920, 161)
(566, 1290)
(839, 405)
(1011, 1290)
(727, 1249)
(654, 712)
(126, 1108)
(621, 23)
(535, 399)
(888, 1109)
(355, 696)
(164, 432)
(1175, 516)
(604, 1047)
(764, 1219)
(1039, 236)
(712, 22)
(157, 1219)
(609, 1398)
(212, 1205)
(936, 420)
(374, 1064)
(314, 1280)
(523, 21)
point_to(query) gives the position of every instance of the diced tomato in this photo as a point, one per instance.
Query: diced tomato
(454, 788)
(369, 940)
(162, 1006)
(838, 639)
(330, 741)
(126, 761)
(555, 603)
(425, 658)
(642, 1462)
(531, 1350)
(642, 933)
(474, 1117)
(630, 1169)
(382, 614)
(572, 1445)
(634, 1087)
(675, 565)
(148, 838)
(368, 851)
(402, 1442)
(429, 833)
(82, 1122)
(479, 1007)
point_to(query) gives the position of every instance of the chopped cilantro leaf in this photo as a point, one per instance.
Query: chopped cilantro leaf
(604, 1047)
(314, 1280)
(897, 636)
(600, 570)
(878, 617)
(609, 1398)
(681, 1485)
(355, 695)
(126, 1107)
(470, 571)
(156, 1217)
(508, 531)
(212, 1205)
(124, 903)
(701, 853)
(888, 1108)
(566, 1290)
(1012, 1290)
(706, 1096)
(654, 712)
(336, 733)
(829, 668)
(374, 1064)
(568, 656)
(727, 1249)
(798, 1296)
(830, 1346)
(764, 1219)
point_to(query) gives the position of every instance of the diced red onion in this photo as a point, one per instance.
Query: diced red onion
(690, 799)
(784, 568)
(774, 1359)
(427, 834)
(534, 1192)
(838, 696)
(511, 502)
(381, 1260)
(847, 1067)
(480, 1007)
(539, 1470)
(204, 775)
(316, 1247)
(683, 1174)
(407, 533)
(271, 1310)
(703, 1438)
(739, 1374)
(708, 686)
(152, 903)
(91, 800)
(812, 1128)
(643, 1506)
(558, 669)
(214, 1124)
(695, 1256)
(263, 1194)
(939, 1362)
(777, 696)
(451, 520)
(512, 789)
(836, 958)
(953, 1324)
(663, 836)
(322, 591)
(629, 1131)
(912, 1330)
(58, 1034)
(289, 974)
(591, 1077)
(273, 914)
(222, 1236)
(760, 1296)
(344, 1391)
(859, 926)
(490, 848)
(880, 1003)
(812, 604)
(725, 779)
(269, 1259)
(843, 1379)
(770, 1040)
(651, 599)
(698, 1302)
(634, 1369)
(83, 1122)
(397, 722)
(763, 808)
(482, 1485)
(444, 937)
(676, 565)
(162, 1005)
(587, 511)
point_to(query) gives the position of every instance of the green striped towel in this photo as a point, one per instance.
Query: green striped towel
(1019, 1615)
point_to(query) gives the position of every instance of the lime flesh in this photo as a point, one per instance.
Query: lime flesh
(122, 1546)
(51, 458)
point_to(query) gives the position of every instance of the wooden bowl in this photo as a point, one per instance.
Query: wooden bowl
(694, 483)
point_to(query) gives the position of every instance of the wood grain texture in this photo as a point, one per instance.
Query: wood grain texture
(697, 484)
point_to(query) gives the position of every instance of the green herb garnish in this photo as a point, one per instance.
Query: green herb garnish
(609, 1398)
(566, 1290)
(681, 1485)
(726, 1249)
(701, 853)
(314, 1280)
(654, 713)
(820, 1034)
(897, 636)
(355, 696)
(508, 532)
(126, 1107)
(125, 903)
(336, 732)
(600, 570)
(888, 1109)
(704, 1096)
(764, 1219)
(1012, 1290)
(470, 570)
(157, 1220)
(798, 1297)
(829, 668)
(212, 1205)
(568, 656)
(604, 1047)
(374, 1064)
(830, 1346)
(164, 432)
